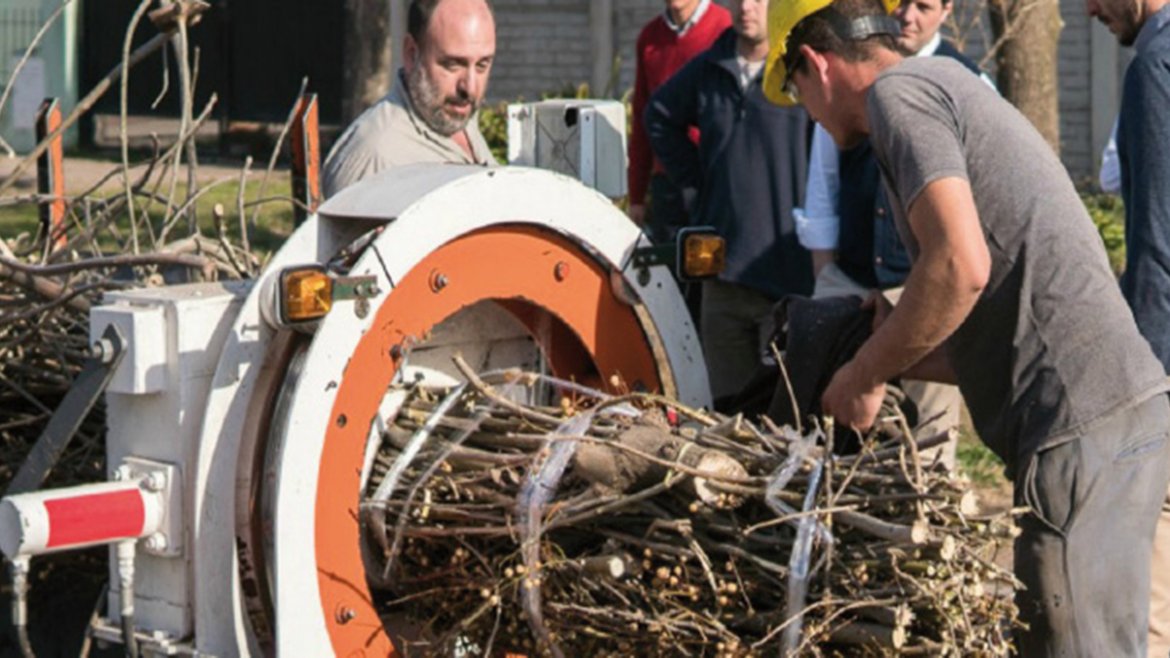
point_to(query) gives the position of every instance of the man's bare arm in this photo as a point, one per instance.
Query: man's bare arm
(934, 367)
(950, 273)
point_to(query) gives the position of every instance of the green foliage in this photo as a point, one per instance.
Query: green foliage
(493, 123)
(976, 461)
(1108, 215)
(17, 219)
(493, 119)
(580, 92)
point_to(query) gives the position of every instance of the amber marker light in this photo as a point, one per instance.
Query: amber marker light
(704, 254)
(306, 294)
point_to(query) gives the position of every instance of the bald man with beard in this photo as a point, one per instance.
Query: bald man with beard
(430, 113)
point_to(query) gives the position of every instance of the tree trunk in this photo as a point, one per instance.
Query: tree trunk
(367, 70)
(1028, 32)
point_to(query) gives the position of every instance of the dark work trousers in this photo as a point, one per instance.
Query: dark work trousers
(1084, 551)
(665, 215)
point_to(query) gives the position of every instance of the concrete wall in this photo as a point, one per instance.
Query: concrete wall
(548, 45)
(541, 46)
(1075, 71)
(630, 16)
(551, 45)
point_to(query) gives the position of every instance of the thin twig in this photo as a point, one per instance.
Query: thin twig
(244, 242)
(166, 80)
(124, 104)
(127, 260)
(292, 115)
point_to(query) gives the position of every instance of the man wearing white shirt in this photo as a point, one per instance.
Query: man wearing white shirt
(848, 225)
(1110, 175)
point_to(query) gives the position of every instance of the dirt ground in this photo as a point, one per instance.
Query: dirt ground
(82, 173)
(220, 156)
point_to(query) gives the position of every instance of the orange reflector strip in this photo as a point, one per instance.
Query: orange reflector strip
(704, 255)
(307, 294)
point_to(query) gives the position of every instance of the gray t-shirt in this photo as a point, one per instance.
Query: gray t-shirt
(1051, 345)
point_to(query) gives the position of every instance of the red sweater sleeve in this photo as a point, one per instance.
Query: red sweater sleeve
(658, 55)
(641, 158)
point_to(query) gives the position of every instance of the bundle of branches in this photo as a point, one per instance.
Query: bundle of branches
(633, 525)
(136, 226)
(44, 329)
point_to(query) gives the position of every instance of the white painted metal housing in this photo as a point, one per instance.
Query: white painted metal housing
(417, 209)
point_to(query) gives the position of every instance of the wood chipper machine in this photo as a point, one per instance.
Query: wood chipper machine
(244, 418)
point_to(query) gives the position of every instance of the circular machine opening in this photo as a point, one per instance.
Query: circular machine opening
(490, 336)
(539, 300)
(496, 335)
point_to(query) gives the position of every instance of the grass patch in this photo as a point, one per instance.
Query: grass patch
(274, 223)
(1108, 214)
(975, 460)
(15, 220)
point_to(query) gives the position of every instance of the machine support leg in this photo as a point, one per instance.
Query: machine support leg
(90, 383)
(51, 173)
(306, 157)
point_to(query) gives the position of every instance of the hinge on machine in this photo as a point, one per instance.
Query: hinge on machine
(359, 288)
(355, 287)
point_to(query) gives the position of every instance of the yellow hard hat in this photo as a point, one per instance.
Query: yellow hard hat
(783, 17)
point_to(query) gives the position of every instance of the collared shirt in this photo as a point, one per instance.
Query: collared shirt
(930, 47)
(1154, 24)
(1110, 175)
(749, 70)
(690, 22)
(391, 133)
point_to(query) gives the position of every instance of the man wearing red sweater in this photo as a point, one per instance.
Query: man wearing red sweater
(685, 29)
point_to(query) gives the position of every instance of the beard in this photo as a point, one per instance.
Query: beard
(430, 103)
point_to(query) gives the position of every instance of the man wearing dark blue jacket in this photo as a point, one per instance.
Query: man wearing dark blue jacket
(1143, 148)
(744, 178)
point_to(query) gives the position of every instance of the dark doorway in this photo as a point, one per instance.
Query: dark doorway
(253, 54)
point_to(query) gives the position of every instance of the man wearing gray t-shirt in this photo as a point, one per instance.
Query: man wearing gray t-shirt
(1009, 295)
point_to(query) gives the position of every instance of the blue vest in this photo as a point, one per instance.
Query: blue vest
(869, 250)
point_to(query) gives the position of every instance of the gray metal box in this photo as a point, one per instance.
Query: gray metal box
(154, 408)
(584, 139)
